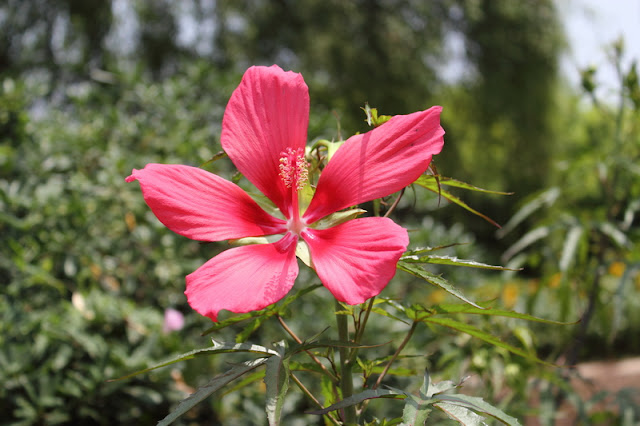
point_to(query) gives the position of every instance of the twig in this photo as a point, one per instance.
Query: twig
(315, 359)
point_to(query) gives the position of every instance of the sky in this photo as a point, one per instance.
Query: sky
(591, 26)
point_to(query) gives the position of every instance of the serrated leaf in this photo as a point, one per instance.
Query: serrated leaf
(453, 261)
(276, 380)
(476, 332)
(373, 119)
(223, 347)
(215, 384)
(415, 412)
(462, 415)
(434, 280)
(440, 387)
(430, 183)
(358, 398)
(480, 405)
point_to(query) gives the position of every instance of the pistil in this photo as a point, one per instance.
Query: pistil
(294, 172)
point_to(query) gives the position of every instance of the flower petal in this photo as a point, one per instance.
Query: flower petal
(244, 279)
(378, 163)
(267, 113)
(357, 259)
(202, 206)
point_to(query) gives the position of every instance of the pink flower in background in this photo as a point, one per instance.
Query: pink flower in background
(264, 132)
(173, 321)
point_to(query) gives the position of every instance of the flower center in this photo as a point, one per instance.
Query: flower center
(294, 169)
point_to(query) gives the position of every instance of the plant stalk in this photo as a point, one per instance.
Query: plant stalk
(346, 374)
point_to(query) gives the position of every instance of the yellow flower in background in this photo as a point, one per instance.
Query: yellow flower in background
(617, 268)
(555, 280)
(436, 297)
(510, 293)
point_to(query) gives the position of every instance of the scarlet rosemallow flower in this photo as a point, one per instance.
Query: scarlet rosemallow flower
(264, 132)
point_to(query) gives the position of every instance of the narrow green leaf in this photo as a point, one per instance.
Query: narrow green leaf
(525, 241)
(615, 234)
(457, 184)
(246, 380)
(232, 321)
(476, 332)
(188, 355)
(385, 313)
(429, 182)
(305, 346)
(421, 250)
(546, 198)
(215, 384)
(248, 329)
(338, 218)
(358, 398)
(276, 380)
(480, 405)
(467, 309)
(453, 261)
(219, 155)
(570, 246)
(295, 296)
(434, 280)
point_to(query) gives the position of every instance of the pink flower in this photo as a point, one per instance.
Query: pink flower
(264, 132)
(173, 320)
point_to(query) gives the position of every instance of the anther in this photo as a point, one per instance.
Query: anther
(294, 169)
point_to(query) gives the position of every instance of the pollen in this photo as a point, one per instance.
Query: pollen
(294, 169)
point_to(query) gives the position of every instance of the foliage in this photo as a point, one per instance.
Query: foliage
(79, 305)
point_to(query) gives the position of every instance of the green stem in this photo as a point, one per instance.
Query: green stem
(360, 330)
(309, 395)
(346, 376)
(396, 354)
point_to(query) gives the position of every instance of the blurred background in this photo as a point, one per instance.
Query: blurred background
(540, 98)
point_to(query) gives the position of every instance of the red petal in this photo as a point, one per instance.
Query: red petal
(378, 163)
(244, 279)
(357, 259)
(267, 113)
(202, 206)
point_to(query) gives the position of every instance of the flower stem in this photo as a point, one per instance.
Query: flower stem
(346, 376)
